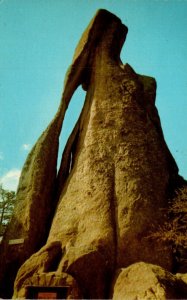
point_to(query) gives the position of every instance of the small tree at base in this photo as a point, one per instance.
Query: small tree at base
(7, 202)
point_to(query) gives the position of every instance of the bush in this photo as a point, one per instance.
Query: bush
(174, 230)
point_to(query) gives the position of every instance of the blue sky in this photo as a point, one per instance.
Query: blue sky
(38, 38)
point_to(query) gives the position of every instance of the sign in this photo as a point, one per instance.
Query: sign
(16, 242)
(47, 292)
(47, 295)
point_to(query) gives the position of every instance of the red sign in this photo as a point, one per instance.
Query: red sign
(47, 295)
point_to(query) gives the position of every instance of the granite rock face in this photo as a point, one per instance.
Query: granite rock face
(115, 178)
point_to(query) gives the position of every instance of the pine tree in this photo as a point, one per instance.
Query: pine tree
(7, 202)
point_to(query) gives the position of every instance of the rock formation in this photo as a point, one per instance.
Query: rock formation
(146, 281)
(93, 218)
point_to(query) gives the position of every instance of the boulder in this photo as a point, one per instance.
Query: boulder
(146, 281)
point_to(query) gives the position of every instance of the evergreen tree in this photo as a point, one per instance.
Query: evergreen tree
(7, 202)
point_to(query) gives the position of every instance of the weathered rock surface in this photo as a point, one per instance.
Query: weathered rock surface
(146, 281)
(116, 175)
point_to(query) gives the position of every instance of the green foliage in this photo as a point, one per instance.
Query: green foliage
(7, 203)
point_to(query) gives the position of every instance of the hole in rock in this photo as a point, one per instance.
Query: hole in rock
(71, 162)
(71, 117)
(53, 265)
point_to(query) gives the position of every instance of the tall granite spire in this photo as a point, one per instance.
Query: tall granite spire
(115, 179)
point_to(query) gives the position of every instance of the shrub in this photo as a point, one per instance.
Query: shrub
(174, 230)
